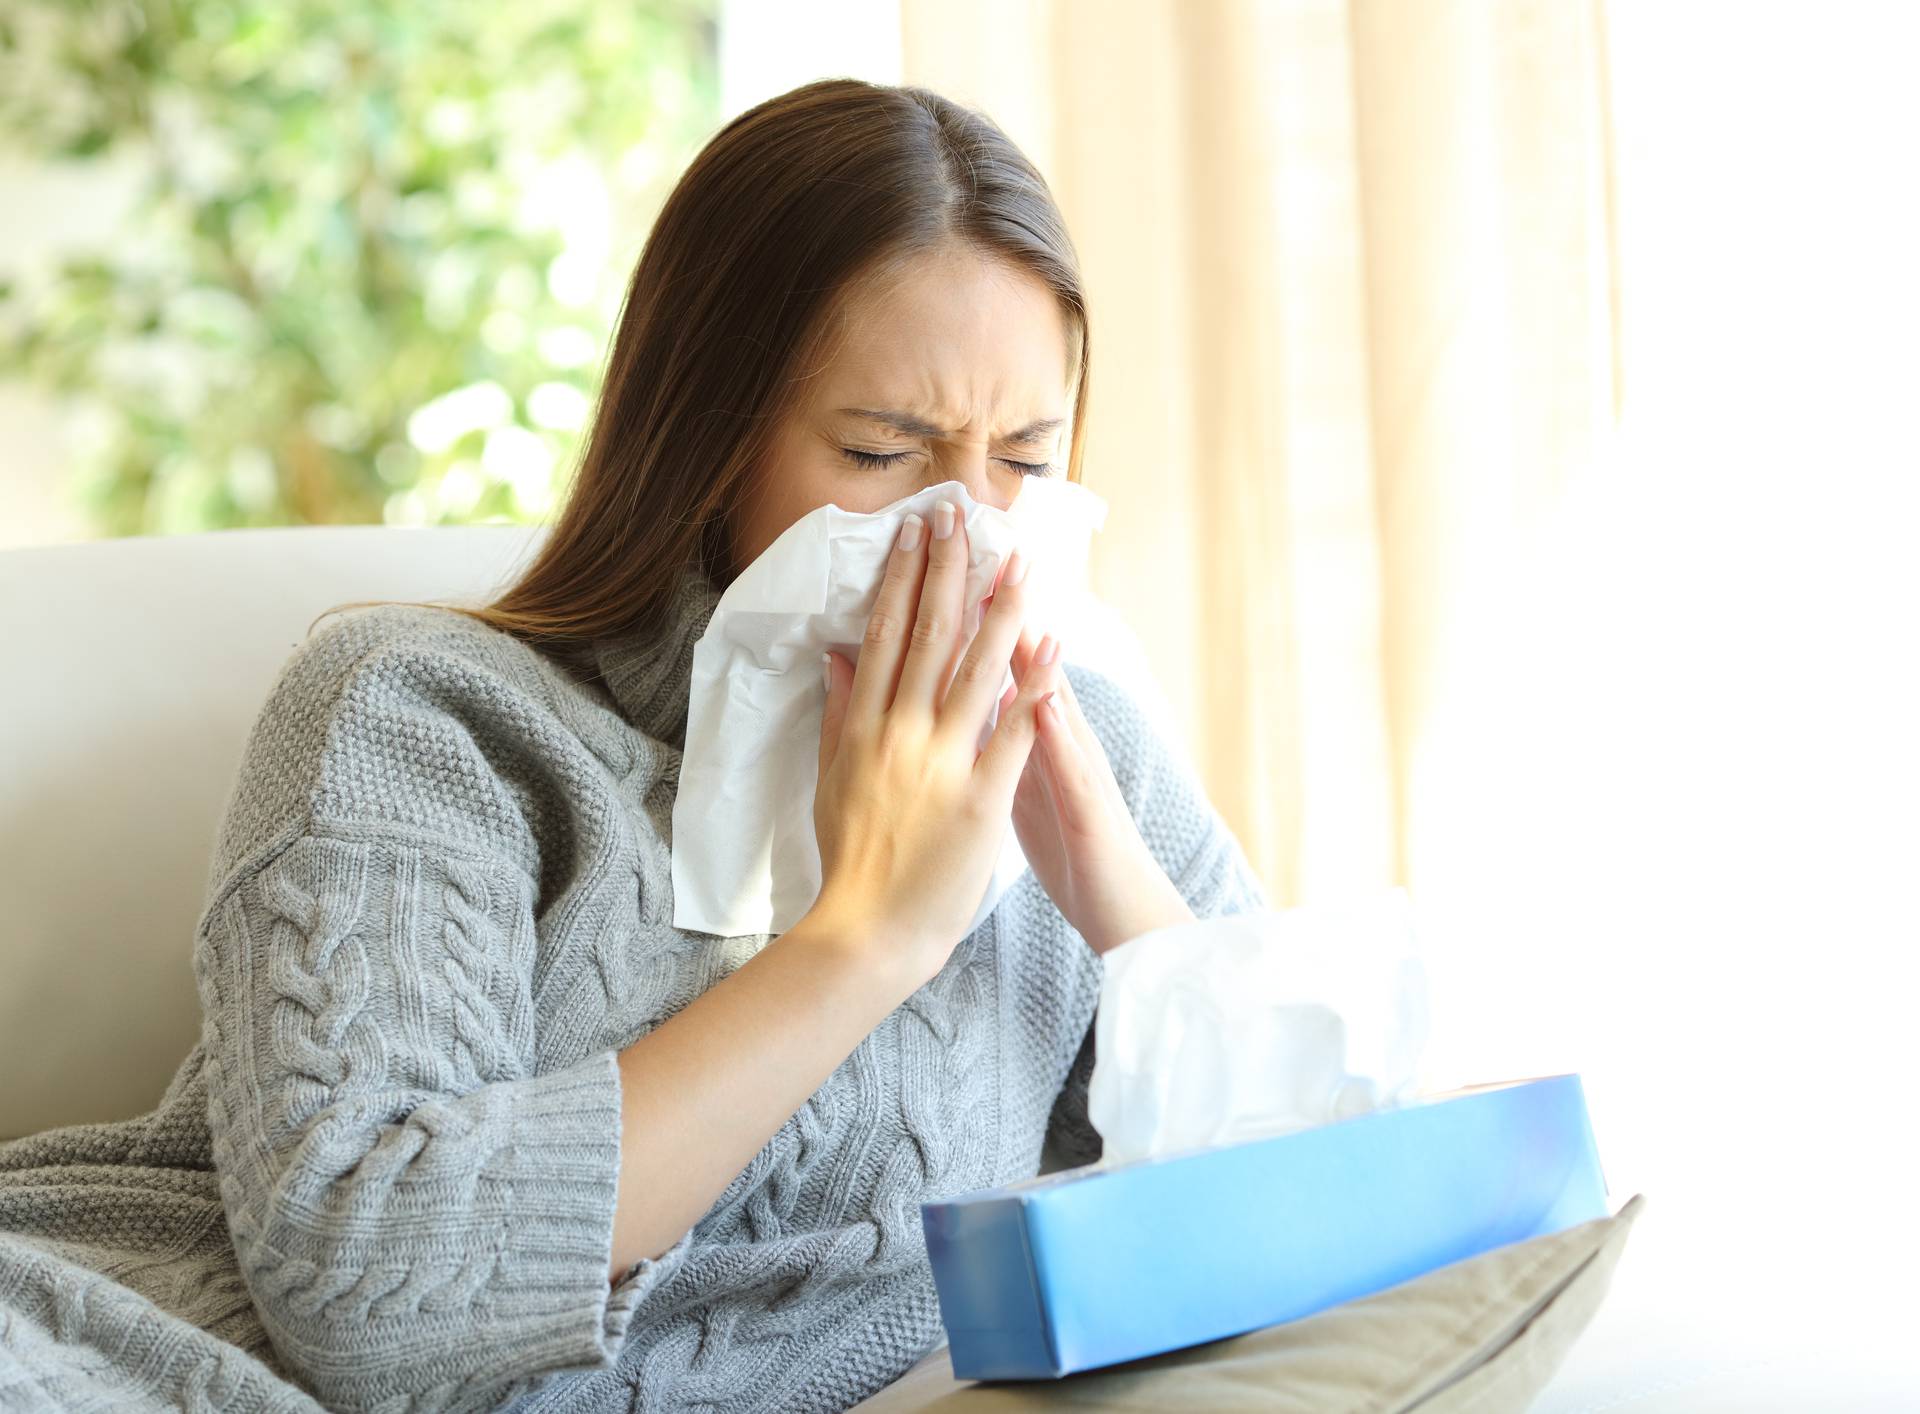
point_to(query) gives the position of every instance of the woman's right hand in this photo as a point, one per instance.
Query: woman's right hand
(910, 814)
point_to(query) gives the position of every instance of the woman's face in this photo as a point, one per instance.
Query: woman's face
(956, 370)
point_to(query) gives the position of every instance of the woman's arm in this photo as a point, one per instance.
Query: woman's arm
(420, 1217)
(713, 1083)
(1187, 838)
(418, 1214)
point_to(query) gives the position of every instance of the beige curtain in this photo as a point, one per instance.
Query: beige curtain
(1350, 273)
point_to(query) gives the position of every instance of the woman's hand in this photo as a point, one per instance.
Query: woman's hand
(1074, 825)
(910, 812)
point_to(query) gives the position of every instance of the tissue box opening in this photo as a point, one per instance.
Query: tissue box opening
(1091, 1266)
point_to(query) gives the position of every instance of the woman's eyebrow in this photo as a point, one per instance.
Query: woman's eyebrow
(918, 427)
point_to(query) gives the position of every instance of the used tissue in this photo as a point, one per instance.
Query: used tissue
(1245, 1027)
(745, 859)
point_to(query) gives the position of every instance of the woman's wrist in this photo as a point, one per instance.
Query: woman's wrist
(836, 928)
(1159, 905)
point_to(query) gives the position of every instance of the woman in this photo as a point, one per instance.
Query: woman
(470, 1123)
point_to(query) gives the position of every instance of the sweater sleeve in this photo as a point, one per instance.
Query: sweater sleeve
(1184, 832)
(423, 1219)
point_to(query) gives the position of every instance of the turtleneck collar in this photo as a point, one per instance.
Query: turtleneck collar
(651, 674)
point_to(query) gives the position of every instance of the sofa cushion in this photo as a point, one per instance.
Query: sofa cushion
(1482, 1335)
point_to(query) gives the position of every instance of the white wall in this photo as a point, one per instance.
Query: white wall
(770, 46)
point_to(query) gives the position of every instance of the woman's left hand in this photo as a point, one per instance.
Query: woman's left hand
(1075, 829)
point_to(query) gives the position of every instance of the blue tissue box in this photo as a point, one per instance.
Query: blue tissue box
(1088, 1266)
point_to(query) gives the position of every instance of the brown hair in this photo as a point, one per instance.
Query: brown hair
(741, 284)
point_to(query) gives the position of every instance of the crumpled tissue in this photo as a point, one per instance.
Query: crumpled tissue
(1250, 1026)
(745, 858)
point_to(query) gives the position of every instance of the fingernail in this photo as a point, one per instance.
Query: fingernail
(1016, 568)
(943, 520)
(826, 671)
(910, 532)
(1049, 650)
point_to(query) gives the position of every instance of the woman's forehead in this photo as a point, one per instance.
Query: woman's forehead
(949, 345)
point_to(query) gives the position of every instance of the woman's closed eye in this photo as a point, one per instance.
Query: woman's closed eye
(880, 459)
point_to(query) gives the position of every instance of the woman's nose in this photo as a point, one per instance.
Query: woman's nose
(982, 481)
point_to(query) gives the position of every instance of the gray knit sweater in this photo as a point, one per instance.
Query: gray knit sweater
(440, 903)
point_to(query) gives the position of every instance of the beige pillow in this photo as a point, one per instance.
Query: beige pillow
(1481, 1335)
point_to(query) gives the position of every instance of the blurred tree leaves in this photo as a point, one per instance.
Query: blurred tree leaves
(370, 275)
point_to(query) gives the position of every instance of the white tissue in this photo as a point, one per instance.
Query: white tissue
(1254, 1025)
(745, 859)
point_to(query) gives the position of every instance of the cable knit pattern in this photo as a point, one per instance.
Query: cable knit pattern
(440, 903)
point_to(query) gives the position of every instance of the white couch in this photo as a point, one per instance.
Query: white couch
(134, 669)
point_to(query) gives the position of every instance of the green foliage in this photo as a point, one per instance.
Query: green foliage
(368, 278)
